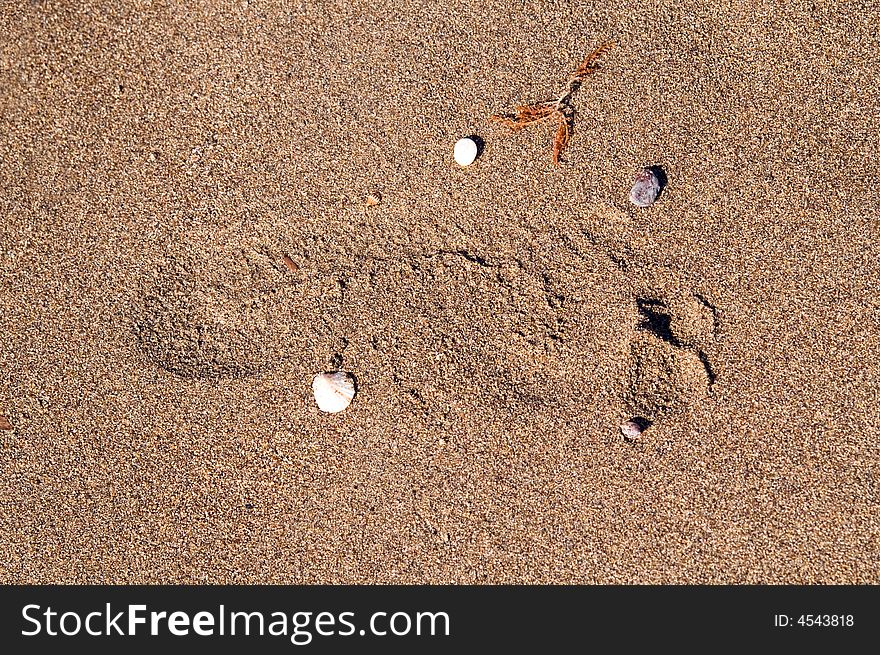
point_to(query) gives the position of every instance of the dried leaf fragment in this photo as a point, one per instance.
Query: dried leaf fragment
(588, 65)
(563, 135)
(290, 264)
(559, 110)
(526, 115)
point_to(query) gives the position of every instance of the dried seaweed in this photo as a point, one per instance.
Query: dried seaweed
(558, 111)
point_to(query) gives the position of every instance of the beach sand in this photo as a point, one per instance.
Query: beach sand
(158, 160)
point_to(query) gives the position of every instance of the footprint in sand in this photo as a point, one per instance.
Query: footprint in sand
(455, 327)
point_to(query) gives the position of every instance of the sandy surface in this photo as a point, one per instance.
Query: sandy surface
(159, 159)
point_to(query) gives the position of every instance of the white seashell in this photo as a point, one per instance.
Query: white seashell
(333, 391)
(465, 151)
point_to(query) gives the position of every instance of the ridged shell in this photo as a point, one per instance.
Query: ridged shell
(333, 391)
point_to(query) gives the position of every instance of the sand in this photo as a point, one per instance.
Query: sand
(158, 160)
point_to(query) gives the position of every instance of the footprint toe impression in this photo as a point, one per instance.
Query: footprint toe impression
(669, 366)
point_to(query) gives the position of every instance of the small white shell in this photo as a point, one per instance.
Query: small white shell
(465, 151)
(333, 391)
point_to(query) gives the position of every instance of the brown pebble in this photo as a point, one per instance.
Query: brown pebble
(5, 424)
(289, 263)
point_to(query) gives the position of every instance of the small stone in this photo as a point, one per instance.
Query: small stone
(5, 424)
(333, 391)
(465, 151)
(646, 188)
